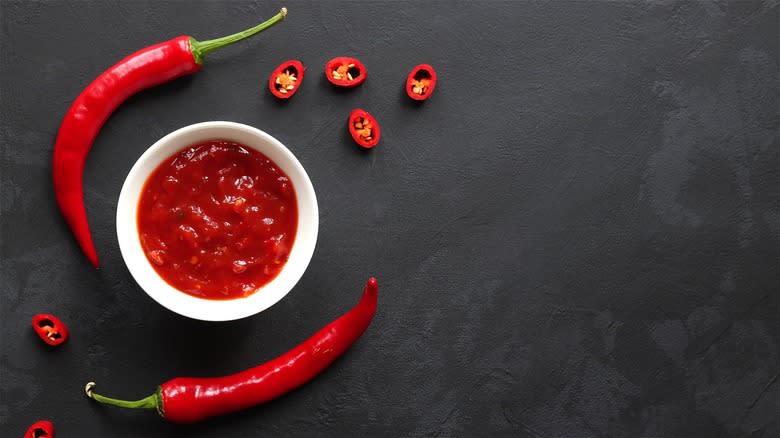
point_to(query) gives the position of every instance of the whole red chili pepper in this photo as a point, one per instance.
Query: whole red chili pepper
(191, 399)
(421, 82)
(50, 329)
(364, 128)
(286, 79)
(145, 68)
(40, 429)
(345, 72)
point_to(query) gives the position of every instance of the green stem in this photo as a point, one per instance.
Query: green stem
(203, 48)
(150, 402)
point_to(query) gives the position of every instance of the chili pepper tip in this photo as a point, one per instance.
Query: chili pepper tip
(372, 287)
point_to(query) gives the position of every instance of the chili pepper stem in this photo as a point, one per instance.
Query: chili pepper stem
(203, 48)
(150, 402)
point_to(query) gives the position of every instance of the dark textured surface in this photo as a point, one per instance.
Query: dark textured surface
(578, 235)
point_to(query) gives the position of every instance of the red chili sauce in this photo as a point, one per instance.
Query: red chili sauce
(217, 220)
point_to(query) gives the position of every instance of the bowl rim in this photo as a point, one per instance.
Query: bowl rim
(181, 302)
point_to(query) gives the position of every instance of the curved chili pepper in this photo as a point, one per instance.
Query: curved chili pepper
(344, 71)
(145, 68)
(421, 82)
(364, 128)
(191, 399)
(286, 79)
(40, 429)
(50, 329)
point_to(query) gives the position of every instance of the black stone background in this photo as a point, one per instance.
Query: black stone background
(576, 236)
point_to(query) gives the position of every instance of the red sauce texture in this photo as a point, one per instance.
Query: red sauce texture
(217, 220)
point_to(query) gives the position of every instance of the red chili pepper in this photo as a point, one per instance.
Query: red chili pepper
(191, 399)
(421, 82)
(145, 68)
(50, 329)
(40, 429)
(364, 128)
(345, 72)
(286, 79)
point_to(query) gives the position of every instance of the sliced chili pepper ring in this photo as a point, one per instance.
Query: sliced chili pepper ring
(364, 128)
(421, 82)
(40, 429)
(50, 329)
(344, 71)
(286, 79)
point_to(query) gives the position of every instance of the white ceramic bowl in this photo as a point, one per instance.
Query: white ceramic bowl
(183, 303)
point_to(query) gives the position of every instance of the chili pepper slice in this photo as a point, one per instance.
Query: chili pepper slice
(143, 69)
(364, 128)
(344, 71)
(191, 399)
(286, 79)
(40, 429)
(50, 329)
(421, 82)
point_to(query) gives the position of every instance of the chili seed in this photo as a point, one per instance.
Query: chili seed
(239, 266)
(156, 257)
(286, 81)
(51, 333)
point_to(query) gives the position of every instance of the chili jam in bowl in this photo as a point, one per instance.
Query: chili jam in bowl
(217, 221)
